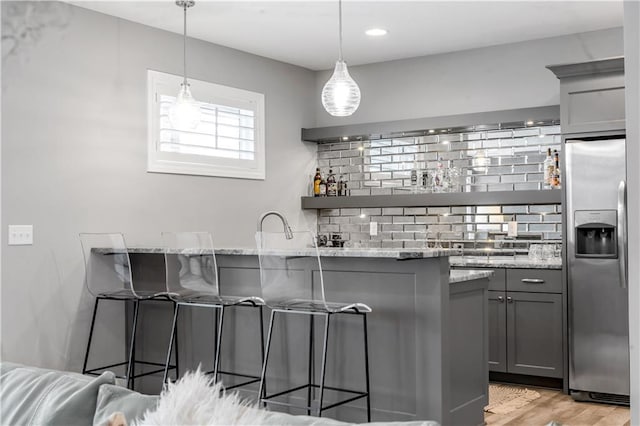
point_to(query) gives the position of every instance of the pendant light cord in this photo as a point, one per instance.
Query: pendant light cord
(340, 29)
(184, 46)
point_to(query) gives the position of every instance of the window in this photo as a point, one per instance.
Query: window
(228, 141)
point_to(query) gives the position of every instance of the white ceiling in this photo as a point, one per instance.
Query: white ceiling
(305, 33)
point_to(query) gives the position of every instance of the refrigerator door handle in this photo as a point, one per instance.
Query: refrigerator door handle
(622, 232)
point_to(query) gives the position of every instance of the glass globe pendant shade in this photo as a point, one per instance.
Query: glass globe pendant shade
(341, 94)
(185, 113)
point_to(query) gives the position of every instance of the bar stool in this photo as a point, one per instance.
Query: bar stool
(292, 283)
(108, 276)
(192, 281)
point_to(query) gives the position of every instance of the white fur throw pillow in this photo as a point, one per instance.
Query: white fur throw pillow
(195, 400)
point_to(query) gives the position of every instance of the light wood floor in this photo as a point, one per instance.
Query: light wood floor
(555, 406)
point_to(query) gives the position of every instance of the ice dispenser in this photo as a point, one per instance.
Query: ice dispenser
(596, 233)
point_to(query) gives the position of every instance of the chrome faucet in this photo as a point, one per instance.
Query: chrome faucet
(287, 229)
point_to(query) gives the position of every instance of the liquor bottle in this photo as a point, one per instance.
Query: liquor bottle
(556, 171)
(425, 179)
(316, 183)
(414, 177)
(323, 187)
(332, 186)
(548, 167)
(341, 186)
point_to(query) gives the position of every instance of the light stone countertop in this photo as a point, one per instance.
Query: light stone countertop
(504, 262)
(460, 275)
(401, 254)
(455, 276)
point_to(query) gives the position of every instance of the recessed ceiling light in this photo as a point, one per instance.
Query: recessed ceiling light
(529, 123)
(431, 131)
(345, 138)
(376, 32)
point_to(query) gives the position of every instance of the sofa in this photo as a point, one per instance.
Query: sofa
(35, 396)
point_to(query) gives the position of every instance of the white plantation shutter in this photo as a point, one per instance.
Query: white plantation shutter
(228, 141)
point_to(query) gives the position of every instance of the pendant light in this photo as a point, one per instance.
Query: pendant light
(340, 95)
(185, 112)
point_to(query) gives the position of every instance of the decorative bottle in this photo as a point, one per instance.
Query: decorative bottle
(323, 187)
(555, 181)
(341, 186)
(316, 183)
(414, 177)
(548, 167)
(332, 186)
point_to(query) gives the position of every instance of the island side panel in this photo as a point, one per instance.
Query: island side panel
(468, 352)
(407, 368)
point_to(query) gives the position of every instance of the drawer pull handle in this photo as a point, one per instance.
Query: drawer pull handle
(509, 299)
(500, 299)
(532, 281)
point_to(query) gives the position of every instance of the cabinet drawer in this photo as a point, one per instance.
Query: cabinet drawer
(534, 280)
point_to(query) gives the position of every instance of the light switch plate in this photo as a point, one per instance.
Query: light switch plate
(20, 235)
(373, 228)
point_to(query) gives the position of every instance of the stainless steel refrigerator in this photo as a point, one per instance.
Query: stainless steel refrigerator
(596, 269)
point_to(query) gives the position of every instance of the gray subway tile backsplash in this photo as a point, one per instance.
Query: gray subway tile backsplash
(491, 160)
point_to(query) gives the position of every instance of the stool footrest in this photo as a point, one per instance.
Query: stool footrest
(358, 395)
(254, 379)
(93, 370)
(99, 370)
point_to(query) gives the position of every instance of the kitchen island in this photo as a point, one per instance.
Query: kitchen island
(428, 332)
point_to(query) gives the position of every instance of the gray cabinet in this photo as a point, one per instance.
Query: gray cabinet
(526, 322)
(497, 331)
(591, 95)
(534, 334)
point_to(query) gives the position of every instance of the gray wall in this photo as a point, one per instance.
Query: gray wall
(488, 79)
(74, 147)
(632, 83)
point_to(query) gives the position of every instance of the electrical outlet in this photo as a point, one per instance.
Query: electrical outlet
(373, 228)
(20, 235)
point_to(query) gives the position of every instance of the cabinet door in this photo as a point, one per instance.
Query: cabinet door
(534, 334)
(497, 331)
(592, 103)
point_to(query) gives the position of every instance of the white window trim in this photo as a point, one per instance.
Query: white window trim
(166, 162)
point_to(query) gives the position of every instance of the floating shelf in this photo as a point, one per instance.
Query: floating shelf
(492, 120)
(433, 200)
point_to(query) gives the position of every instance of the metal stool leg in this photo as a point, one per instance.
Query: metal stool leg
(260, 312)
(131, 361)
(324, 361)
(219, 323)
(366, 365)
(262, 390)
(310, 365)
(172, 337)
(93, 322)
(175, 342)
